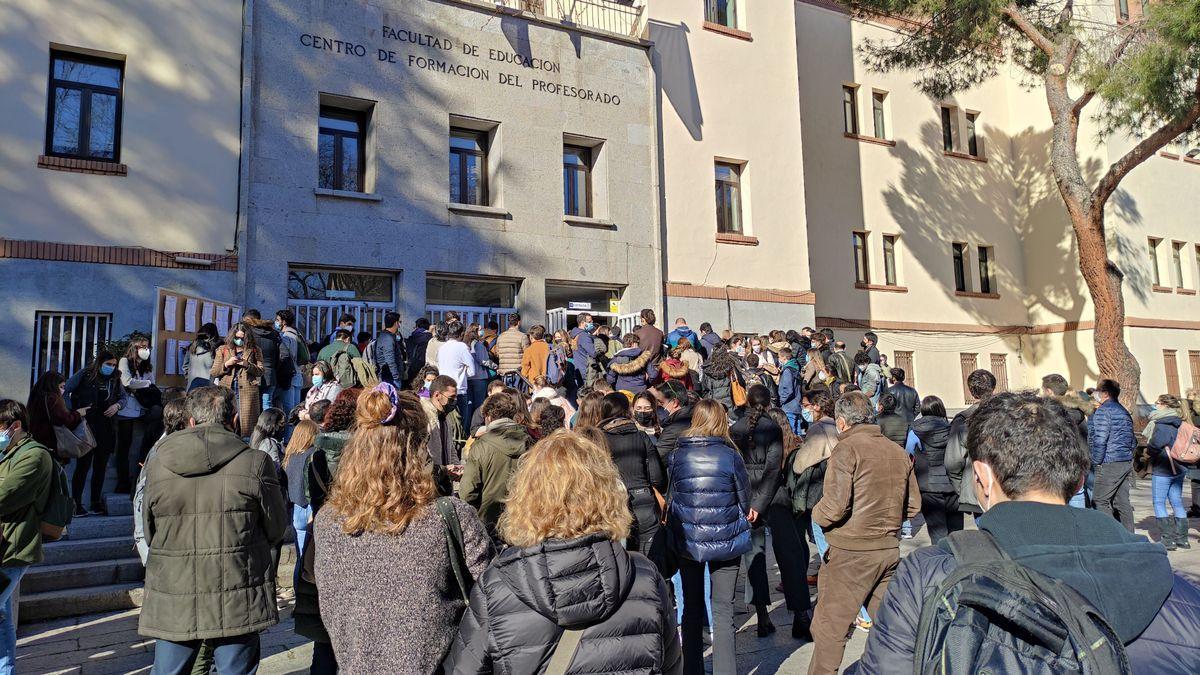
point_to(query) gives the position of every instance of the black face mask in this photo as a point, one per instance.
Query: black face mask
(450, 403)
(646, 419)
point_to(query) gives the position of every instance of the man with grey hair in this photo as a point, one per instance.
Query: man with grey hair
(870, 489)
(213, 513)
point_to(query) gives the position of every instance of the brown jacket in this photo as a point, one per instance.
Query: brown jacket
(246, 378)
(533, 361)
(510, 347)
(650, 339)
(870, 489)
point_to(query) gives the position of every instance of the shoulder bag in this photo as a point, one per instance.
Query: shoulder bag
(72, 443)
(564, 652)
(455, 548)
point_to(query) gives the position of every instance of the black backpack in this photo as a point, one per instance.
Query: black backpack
(995, 615)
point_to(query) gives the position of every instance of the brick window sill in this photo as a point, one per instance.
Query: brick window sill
(1161, 289)
(585, 221)
(347, 194)
(963, 155)
(736, 239)
(870, 139)
(1191, 160)
(1185, 291)
(981, 296)
(881, 287)
(1168, 155)
(75, 165)
(726, 30)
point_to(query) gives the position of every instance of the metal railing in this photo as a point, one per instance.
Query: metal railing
(605, 15)
(67, 341)
(317, 319)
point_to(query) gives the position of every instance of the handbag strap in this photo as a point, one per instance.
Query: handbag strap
(564, 652)
(454, 546)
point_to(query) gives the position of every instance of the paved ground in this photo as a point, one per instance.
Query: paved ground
(109, 643)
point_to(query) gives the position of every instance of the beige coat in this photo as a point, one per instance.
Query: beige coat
(510, 347)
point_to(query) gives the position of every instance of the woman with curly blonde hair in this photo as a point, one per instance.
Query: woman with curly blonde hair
(389, 599)
(567, 574)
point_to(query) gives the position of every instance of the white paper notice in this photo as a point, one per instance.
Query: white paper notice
(189, 316)
(222, 320)
(170, 312)
(206, 313)
(172, 367)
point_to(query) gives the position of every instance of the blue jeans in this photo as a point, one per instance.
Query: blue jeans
(822, 546)
(238, 655)
(477, 389)
(796, 420)
(677, 583)
(8, 627)
(286, 398)
(1163, 488)
(300, 516)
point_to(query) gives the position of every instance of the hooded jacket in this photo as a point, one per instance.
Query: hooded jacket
(929, 462)
(674, 426)
(524, 600)
(674, 369)
(318, 477)
(583, 352)
(1125, 576)
(213, 513)
(631, 370)
(679, 333)
(26, 470)
(716, 377)
(417, 344)
(266, 338)
(1166, 428)
(709, 497)
(650, 338)
(791, 394)
(634, 454)
(489, 465)
(762, 452)
(1110, 434)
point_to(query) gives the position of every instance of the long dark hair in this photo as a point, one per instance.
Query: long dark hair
(249, 345)
(207, 337)
(46, 387)
(758, 401)
(93, 368)
(615, 406)
(271, 424)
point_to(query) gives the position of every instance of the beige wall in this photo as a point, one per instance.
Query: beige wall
(180, 124)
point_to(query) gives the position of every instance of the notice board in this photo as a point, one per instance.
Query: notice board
(177, 317)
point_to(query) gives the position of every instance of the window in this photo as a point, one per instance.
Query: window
(947, 129)
(723, 12)
(889, 259)
(1177, 262)
(966, 363)
(850, 108)
(862, 273)
(877, 99)
(904, 361)
(468, 166)
(1155, 276)
(960, 267)
(985, 270)
(83, 119)
(1000, 370)
(729, 198)
(972, 139)
(1123, 9)
(1171, 367)
(67, 341)
(1194, 363)
(577, 181)
(340, 153)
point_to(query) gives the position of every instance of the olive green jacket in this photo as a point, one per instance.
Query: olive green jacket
(25, 472)
(490, 463)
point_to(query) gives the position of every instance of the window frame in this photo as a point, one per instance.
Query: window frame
(1177, 263)
(861, 248)
(80, 352)
(483, 138)
(712, 13)
(1122, 10)
(972, 134)
(947, 121)
(735, 186)
(959, 254)
(879, 113)
(1155, 271)
(987, 260)
(85, 105)
(588, 155)
(890, 274)
(359, 117)
(850, 109)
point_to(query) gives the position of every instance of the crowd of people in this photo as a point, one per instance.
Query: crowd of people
(470, 500)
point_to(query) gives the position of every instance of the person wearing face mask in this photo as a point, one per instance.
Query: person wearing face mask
(238, 366)
(48, 408)
(583, 352)
(142, 415)
(96, 389)
(645, 414)
(325, 387)
(26, 470)
(1028, 462)
(446, 432)
(869, 490)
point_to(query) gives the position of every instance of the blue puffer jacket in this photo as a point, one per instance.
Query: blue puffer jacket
(791, 389)
(1110, 434)
(709, 499)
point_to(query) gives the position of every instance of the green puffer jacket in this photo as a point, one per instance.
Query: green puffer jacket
(492, 460)
(25, 472)
(213, 512)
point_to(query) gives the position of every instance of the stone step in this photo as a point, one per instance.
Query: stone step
(88, 550)
(119, 505)
(99, 527)
(77, 575)
(79, 601)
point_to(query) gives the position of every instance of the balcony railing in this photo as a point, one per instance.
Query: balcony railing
(621, 18)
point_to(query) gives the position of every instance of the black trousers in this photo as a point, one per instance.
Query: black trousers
(646, 517)
(941, 514)
(724, 575)
(127, 427)
(791, 555)
(96, 461)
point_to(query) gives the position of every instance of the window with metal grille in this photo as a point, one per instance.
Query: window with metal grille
(67, 341)
(967, 363)
(1000, 370)
(1171, 366)
(904, 361)
(83, 118)
(862, 267)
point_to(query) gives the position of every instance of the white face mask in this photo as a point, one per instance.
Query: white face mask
(144, 353)
(757, 349)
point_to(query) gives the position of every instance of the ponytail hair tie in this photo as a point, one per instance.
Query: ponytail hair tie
(393, 398)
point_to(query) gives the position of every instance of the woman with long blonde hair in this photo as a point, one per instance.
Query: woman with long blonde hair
(389, 599)
(710, 517)
(567, 520)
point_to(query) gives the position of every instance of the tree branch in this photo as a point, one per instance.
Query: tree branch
(1143, 150)
(1119, 51)
(1035, 36)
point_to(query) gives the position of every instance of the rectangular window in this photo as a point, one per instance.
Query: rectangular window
(985, 270)
(723, 12)
(1155, 276)
(1000, 370)
(862, 268)
(83, 119)
(877, 99)
(341, 155)
(1194, 363)
(1177, 262)
(1171, 366)
(972, 139)
(904, 361)
(960, 267)
(967, 364)
(889, 259)
(947, 129)
(468, 166)
(66, 341)
(577, 181)
(729, 198)
(1123, 9)
(850, 108)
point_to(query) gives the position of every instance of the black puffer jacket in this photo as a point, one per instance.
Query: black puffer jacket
(716, 377)
(762, 451)
(894, 426)
(267, 340)
(672, 427)
(635, 455)
(525, 599)
(934, 433)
